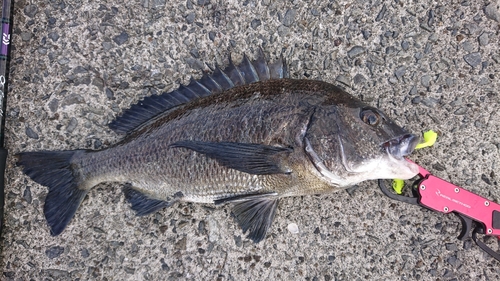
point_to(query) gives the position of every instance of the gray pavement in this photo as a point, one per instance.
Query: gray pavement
(77, 64)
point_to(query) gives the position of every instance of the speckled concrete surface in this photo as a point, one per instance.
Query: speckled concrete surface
(429, 64)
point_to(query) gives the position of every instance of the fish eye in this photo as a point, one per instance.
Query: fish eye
(370, 117)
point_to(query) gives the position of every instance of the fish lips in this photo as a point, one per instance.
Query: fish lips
(401, 146)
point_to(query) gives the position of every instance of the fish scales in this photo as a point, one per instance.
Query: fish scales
(246, 135)
(145, 160)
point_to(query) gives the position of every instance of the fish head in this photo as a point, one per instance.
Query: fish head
(352, 142)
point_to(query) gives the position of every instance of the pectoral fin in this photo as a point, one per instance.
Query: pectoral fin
(246, 157)
(254, 213)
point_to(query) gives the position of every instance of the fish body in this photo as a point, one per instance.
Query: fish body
(247, 135)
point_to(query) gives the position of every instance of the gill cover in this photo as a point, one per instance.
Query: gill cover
(352, 142)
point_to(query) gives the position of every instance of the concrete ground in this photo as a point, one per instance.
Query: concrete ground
(77, 64)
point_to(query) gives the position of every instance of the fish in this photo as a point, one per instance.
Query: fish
(245, 135)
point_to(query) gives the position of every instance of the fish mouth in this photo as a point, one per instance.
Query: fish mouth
(401, 146)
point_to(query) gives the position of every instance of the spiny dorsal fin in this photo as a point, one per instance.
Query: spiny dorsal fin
(220, 80)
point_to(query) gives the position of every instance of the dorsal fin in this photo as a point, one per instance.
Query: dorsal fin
(220, 80)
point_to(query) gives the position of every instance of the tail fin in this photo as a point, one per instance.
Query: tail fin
(54, 170)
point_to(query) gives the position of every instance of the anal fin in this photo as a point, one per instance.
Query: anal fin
(143, 205)
(254, 213)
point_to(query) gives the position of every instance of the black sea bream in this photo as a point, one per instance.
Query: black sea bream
(247, 135)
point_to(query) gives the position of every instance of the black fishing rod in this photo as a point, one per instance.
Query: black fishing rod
(4, 74)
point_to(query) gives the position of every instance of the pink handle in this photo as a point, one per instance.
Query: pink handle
(442, 196)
